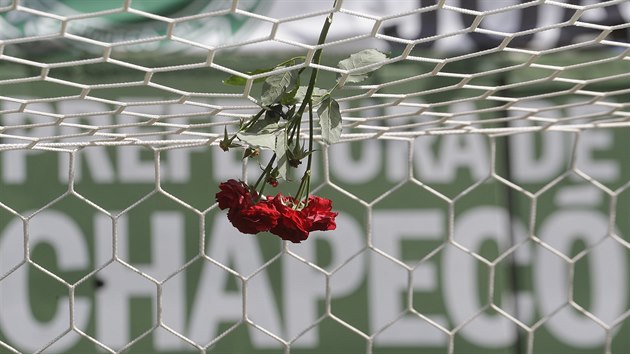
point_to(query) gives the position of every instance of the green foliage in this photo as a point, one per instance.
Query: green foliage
(330, 120)
(316, 97)
(276, 86)
(264, 140)
(358, 64)
(281, 153)
(283, 102)
(236, 80)
(269, 122)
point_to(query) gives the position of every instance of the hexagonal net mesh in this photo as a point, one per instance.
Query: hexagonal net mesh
(481, 178)
(416, 96)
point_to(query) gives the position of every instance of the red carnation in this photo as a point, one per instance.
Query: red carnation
(279, 215)
(292, 226)
(233, 195)
(255, 218)
(318, 213)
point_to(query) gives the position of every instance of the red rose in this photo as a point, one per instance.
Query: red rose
(233, 194)
(292, 226)
(279, 215)
(255, 218)
(318, 213)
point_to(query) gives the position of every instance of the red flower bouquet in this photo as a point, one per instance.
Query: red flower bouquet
(278, 127)
(282, 216)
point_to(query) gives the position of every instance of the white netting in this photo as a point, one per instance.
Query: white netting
(405, 97)
(476, 131)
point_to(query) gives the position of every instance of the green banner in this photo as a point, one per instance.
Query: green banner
(467, 242)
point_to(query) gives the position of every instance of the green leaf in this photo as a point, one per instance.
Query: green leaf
(291, 112)
(330, 120)
(291, 61)
(274, 87)
(263, 126)
(236, 80)
(266, 141)
(317, 95)
(268, 123)
(281, 154)
(359, 60)
(288, 98)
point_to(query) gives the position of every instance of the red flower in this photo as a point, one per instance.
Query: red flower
(247, 217)
(255, 218)
(292, 226)
(318, 213)
(233, 195)
(280, 215)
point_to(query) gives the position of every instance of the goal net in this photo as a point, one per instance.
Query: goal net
(481, 177)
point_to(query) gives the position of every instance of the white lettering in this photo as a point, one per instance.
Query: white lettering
(530, 167)
(213, 304)
(389, 280)
(607, 267)
(97, 161)
(304, 286)
(590, 142)
(396, 160)
(356, 169)
(468, 151)
(132, 167)
(17, 321)
(14, 163)
(121, 283)
(424, 159)
(176, 166)
(461, 282)
(96, 158)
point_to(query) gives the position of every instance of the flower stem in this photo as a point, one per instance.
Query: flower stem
(264, 175)
(310, 149)
(294, 130)
(316, 58)
(310, 136)
(228, 143)
(254, 119)
(305, 183)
